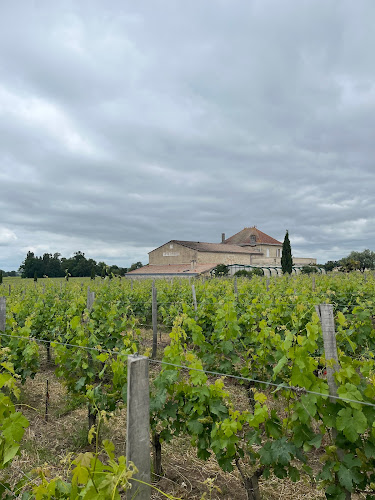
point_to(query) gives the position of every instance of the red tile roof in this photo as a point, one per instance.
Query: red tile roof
(243, 238)
(170, 269)
(212, 247)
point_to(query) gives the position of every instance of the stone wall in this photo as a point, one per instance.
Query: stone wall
(173, 253)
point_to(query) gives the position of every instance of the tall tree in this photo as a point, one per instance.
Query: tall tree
(365, 259)
(286, 258)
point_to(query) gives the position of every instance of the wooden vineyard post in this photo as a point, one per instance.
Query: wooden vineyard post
(10, 289)
(313, 283)
(194, 298)
(90, 299)
(89, 304)
(131, 284)
(268, 284)
(235, 288)
(2, 314)
(154, 321)
(325, 313)
(138, 426)
(47, 403)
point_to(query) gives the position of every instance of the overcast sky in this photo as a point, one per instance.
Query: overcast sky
(126, 124)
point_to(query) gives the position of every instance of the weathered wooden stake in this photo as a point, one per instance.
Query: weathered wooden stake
(235, 288)
(47, 403)
(2, 313)
(131, 284)
(194, 298)
(10, 289)
(268, 284)
(154, 321)
(90, 299)
(138, 426)
(89, 303)
(325, 313)
(313, 283)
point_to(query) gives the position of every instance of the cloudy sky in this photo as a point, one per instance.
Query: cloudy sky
(126, 124)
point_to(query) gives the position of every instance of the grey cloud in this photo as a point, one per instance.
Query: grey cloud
(124, 125)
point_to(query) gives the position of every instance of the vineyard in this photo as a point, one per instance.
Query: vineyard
(261, 388)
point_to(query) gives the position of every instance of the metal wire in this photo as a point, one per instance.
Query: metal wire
(298, 390)
(61, 343)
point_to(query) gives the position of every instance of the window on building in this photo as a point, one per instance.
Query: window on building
(253, 239)
(278, 252)
(171, 245)
(268, 252)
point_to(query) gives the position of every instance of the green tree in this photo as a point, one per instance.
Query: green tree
(92, 273)
(348, 264)
(243, 273)
(331, 264)
(308, 270)
(286, 258)
(1, 276)
(31, 265)
(136, 265)
(365, 259)
(221, 270)
(35, 276)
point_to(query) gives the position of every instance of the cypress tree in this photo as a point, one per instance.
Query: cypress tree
(92, 276)
(286, 258)
(1, 276)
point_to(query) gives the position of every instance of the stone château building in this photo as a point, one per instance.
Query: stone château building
(249, 247)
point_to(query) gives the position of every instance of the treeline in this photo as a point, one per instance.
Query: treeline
(354, 261)
(55, 266)
(8, 273)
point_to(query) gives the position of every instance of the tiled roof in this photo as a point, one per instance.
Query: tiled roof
(169, 269)
(214, 247)
(243, 238)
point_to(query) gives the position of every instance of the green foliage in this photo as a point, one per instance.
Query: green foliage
(348, 264)
(331, 265)
(92, 477)
(256, 271)
(1, 276)
(55, 266)
(242, 273)
(221, 270)
(12, 423)
(358, 260)
(136, 265)
(271, 335)
(286, 257)
(309, 270)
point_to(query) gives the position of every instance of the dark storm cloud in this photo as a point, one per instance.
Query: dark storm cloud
(124, 125)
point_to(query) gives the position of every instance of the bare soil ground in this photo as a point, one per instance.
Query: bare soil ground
(54, 443)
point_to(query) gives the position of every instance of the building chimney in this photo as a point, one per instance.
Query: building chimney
(222, 237)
